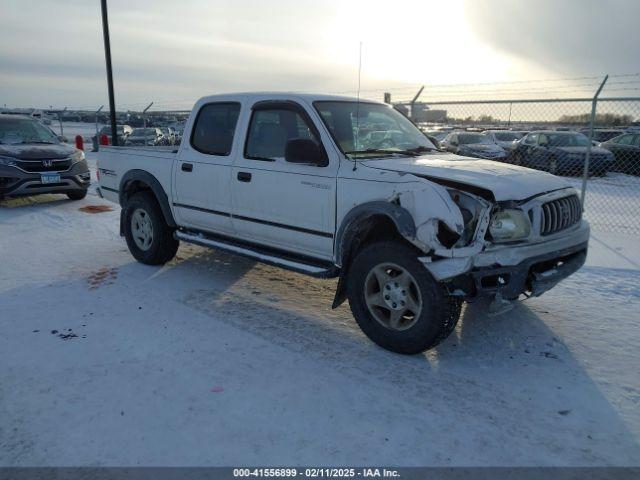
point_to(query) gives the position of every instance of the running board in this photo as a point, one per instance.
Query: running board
(269, 256)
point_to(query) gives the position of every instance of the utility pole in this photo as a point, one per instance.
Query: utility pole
(107, 57)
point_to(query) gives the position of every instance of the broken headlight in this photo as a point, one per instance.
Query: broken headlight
(470, 209)
(509, 225)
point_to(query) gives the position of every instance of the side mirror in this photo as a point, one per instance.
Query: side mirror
(302, 150)
(62, 138)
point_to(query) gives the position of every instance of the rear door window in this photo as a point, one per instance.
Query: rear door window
(214, 128)
(625, 140)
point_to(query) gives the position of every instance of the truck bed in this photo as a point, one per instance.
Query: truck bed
(114, 162)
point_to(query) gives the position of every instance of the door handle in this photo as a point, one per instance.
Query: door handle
(187, 167)
(244, 176)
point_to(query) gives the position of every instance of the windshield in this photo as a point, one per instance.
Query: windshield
(143, 132)
(469, 138)
(371, 129)
(506, 136)
(23, 130)
(567, 140)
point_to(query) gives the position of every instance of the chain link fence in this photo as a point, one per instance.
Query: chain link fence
(597, 151)
(595, 145)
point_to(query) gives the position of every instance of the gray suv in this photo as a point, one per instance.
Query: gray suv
(33, 160)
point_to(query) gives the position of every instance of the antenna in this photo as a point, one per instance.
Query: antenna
(355, 155)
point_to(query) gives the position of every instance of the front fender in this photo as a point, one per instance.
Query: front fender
(359, 216)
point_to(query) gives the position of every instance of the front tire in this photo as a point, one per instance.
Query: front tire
(395, 300)
(149, 238)
(77, 194)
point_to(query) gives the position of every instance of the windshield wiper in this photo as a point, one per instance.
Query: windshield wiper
(39, 142)
(420, 149)
(383, 151)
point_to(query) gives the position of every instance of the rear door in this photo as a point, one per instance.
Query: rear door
(280, 204)
(202, 173)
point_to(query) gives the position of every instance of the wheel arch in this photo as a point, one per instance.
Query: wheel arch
(369, 221)
(139, 180)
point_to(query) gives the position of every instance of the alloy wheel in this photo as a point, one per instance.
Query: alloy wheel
(392, 296)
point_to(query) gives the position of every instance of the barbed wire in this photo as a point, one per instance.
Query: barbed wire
(622, 82)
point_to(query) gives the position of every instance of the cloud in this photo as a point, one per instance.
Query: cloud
(569, 37)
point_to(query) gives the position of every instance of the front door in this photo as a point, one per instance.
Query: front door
(280, 204)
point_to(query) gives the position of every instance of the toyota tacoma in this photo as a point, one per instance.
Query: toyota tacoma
(337, 187)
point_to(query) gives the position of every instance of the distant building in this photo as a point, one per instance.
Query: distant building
(420, 112)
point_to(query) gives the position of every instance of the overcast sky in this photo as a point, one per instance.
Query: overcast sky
(171, 52)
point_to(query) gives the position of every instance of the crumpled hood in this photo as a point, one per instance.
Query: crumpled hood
(35, 151)
(506, 182)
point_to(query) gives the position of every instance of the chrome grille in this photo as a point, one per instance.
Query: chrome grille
(560, 214)
(45, 165)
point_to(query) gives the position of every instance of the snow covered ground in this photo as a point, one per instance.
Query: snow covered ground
(612, 202)
(216, 360)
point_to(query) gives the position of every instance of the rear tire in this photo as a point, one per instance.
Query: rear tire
(418, 327)
(77, 194)
(149, 238)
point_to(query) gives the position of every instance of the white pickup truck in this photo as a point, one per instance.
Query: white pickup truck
(335, 187)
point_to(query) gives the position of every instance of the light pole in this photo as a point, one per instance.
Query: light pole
(107, 57)
(144, 115)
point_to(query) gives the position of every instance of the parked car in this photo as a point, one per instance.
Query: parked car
(472, 144)
(626, 149)
(151, 137)
(434, 140)
(561, 153)
(177, 135)
(123, 133)
(169, 135)
(601, 134)
(505, 138)
(33, 160)
(409, 231)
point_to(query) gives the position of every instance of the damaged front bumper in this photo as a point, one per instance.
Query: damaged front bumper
(509, 271)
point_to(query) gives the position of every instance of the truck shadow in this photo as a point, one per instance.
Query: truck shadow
(507, 377)
(499, 363)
